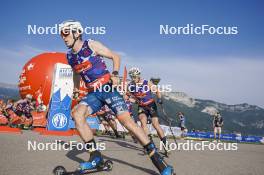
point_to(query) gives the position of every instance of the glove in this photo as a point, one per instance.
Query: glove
(159, 101)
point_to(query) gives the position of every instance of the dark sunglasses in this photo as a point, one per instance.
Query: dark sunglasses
(65, 33)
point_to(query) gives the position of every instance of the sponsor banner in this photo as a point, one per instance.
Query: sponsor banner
(59, 113)
(39, 119)
(92, 122)
(227, 137)
(62, 80)
(60, 104)
(176, 130)
(253, 139)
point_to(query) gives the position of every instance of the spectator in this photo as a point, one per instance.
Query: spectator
(3, 118)
(182, 124)
(23, 109)
(218, 123)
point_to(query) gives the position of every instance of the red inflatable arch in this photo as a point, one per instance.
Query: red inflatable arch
(37, 75)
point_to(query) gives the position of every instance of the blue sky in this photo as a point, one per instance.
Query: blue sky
(228, 69)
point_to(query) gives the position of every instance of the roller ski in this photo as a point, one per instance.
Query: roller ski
(96, 163)
(86, 168)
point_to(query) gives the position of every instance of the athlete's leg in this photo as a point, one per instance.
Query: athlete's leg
(89, 104)
(132, 127)
(124, 118)
(107, 127)
(143, 120)
(160, 132)
(156, 125)
(219, 132)
(153, 111)
(148, 145)
(182, 132)
(79, 116)
(215, 131)
(112, 124)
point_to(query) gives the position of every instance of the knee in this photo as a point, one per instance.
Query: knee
(144, 124)
(78, 116)
(143, 121)
(155, 123)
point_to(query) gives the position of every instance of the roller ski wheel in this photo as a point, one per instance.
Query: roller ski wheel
(59, 170)
(106, 166)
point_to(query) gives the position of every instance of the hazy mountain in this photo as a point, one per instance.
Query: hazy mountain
(8, 91)
(244, 118)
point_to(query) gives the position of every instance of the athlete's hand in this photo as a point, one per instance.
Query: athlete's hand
(76, 93)
(115, 80)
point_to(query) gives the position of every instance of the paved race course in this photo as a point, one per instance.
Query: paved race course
(127, 156)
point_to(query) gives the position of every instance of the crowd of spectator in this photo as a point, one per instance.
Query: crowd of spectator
(19, 113)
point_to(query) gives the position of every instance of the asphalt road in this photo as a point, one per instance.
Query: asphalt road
(128, 157)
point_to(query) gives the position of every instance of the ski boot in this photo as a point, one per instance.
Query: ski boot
(95, 161)
(157, 160)
(168, 171)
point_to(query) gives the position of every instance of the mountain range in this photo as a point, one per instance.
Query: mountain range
(239, 118)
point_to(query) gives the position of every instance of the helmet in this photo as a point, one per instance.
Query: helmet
(71, 25)
(134, 71)
(29, 97)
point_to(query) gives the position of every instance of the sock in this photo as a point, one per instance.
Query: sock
(164, 140)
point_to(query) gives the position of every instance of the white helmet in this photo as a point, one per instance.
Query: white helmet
(134, 71)
(71, 25)
(29, 96)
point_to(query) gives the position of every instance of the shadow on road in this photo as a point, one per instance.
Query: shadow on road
(122, 144)
(73, 155)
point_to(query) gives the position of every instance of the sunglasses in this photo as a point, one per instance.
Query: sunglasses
(65, 33)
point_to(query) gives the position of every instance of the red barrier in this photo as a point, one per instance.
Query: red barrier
(7, 129)
(57, 133)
